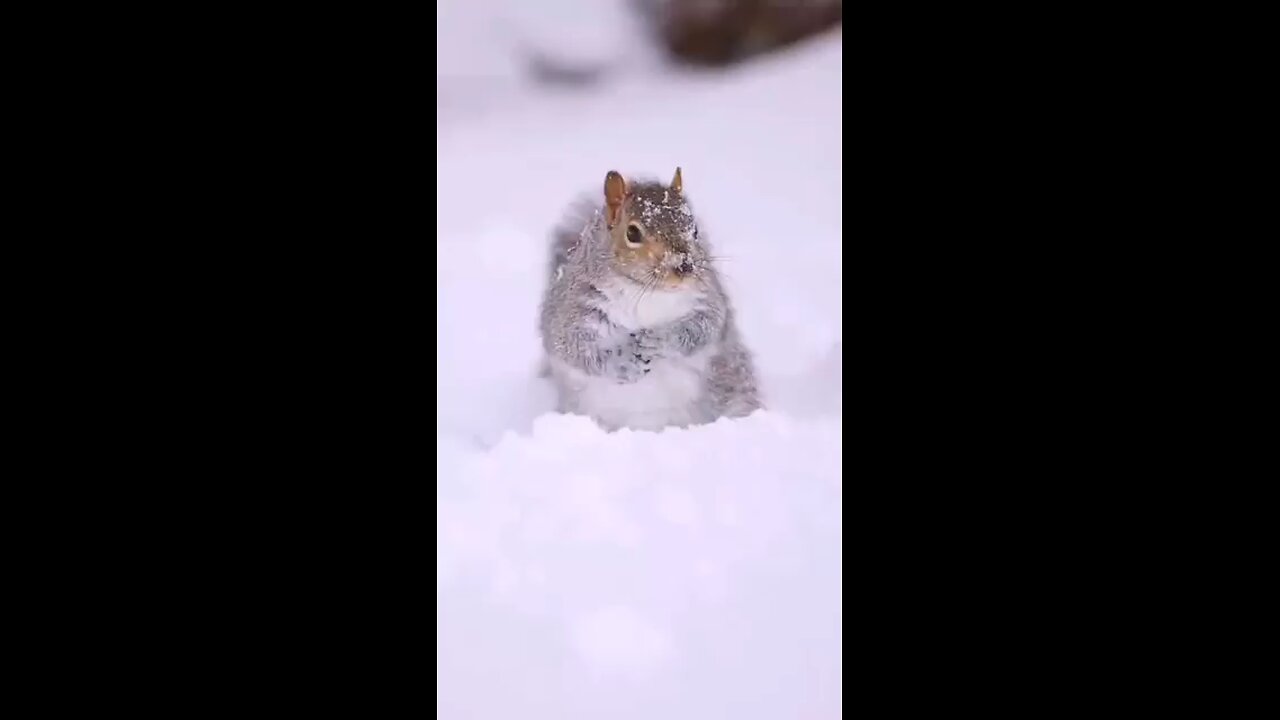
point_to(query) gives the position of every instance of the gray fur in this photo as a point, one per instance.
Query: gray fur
(578, 330)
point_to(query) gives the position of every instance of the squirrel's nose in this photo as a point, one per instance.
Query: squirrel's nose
(685, 268)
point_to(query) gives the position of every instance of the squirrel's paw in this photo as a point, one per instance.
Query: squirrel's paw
(647, 346)
(625, 364)
(631, 372)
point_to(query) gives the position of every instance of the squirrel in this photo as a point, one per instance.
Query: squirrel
(636, 326)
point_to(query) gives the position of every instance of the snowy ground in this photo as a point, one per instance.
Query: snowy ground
(684, 574)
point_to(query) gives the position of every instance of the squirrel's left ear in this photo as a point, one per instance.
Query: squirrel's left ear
(676, 183)
(615, 189)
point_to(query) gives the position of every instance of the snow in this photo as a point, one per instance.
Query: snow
(690, 573)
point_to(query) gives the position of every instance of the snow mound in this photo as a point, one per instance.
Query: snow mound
(683, 574)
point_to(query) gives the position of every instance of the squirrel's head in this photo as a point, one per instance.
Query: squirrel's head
(652, 232)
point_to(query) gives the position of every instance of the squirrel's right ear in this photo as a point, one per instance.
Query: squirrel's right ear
(615, 188)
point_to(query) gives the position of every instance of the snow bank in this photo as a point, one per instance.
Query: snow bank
(683, 574)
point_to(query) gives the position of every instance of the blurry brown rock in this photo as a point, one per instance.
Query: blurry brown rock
(722, 32)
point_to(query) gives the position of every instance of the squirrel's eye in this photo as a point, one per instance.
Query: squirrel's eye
(695, 232)
(633, 235)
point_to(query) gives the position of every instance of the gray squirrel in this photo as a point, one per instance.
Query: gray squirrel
(635, 323)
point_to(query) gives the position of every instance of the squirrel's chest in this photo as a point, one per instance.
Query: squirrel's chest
(633, 307)
(671, 393)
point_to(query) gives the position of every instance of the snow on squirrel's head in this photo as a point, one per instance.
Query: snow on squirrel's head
(652, 232)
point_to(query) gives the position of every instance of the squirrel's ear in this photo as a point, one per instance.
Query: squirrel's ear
(615, 188)
(676, 183)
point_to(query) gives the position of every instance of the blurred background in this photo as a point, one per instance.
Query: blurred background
(582, 42)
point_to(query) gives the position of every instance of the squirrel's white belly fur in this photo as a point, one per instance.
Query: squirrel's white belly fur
(671, 393)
